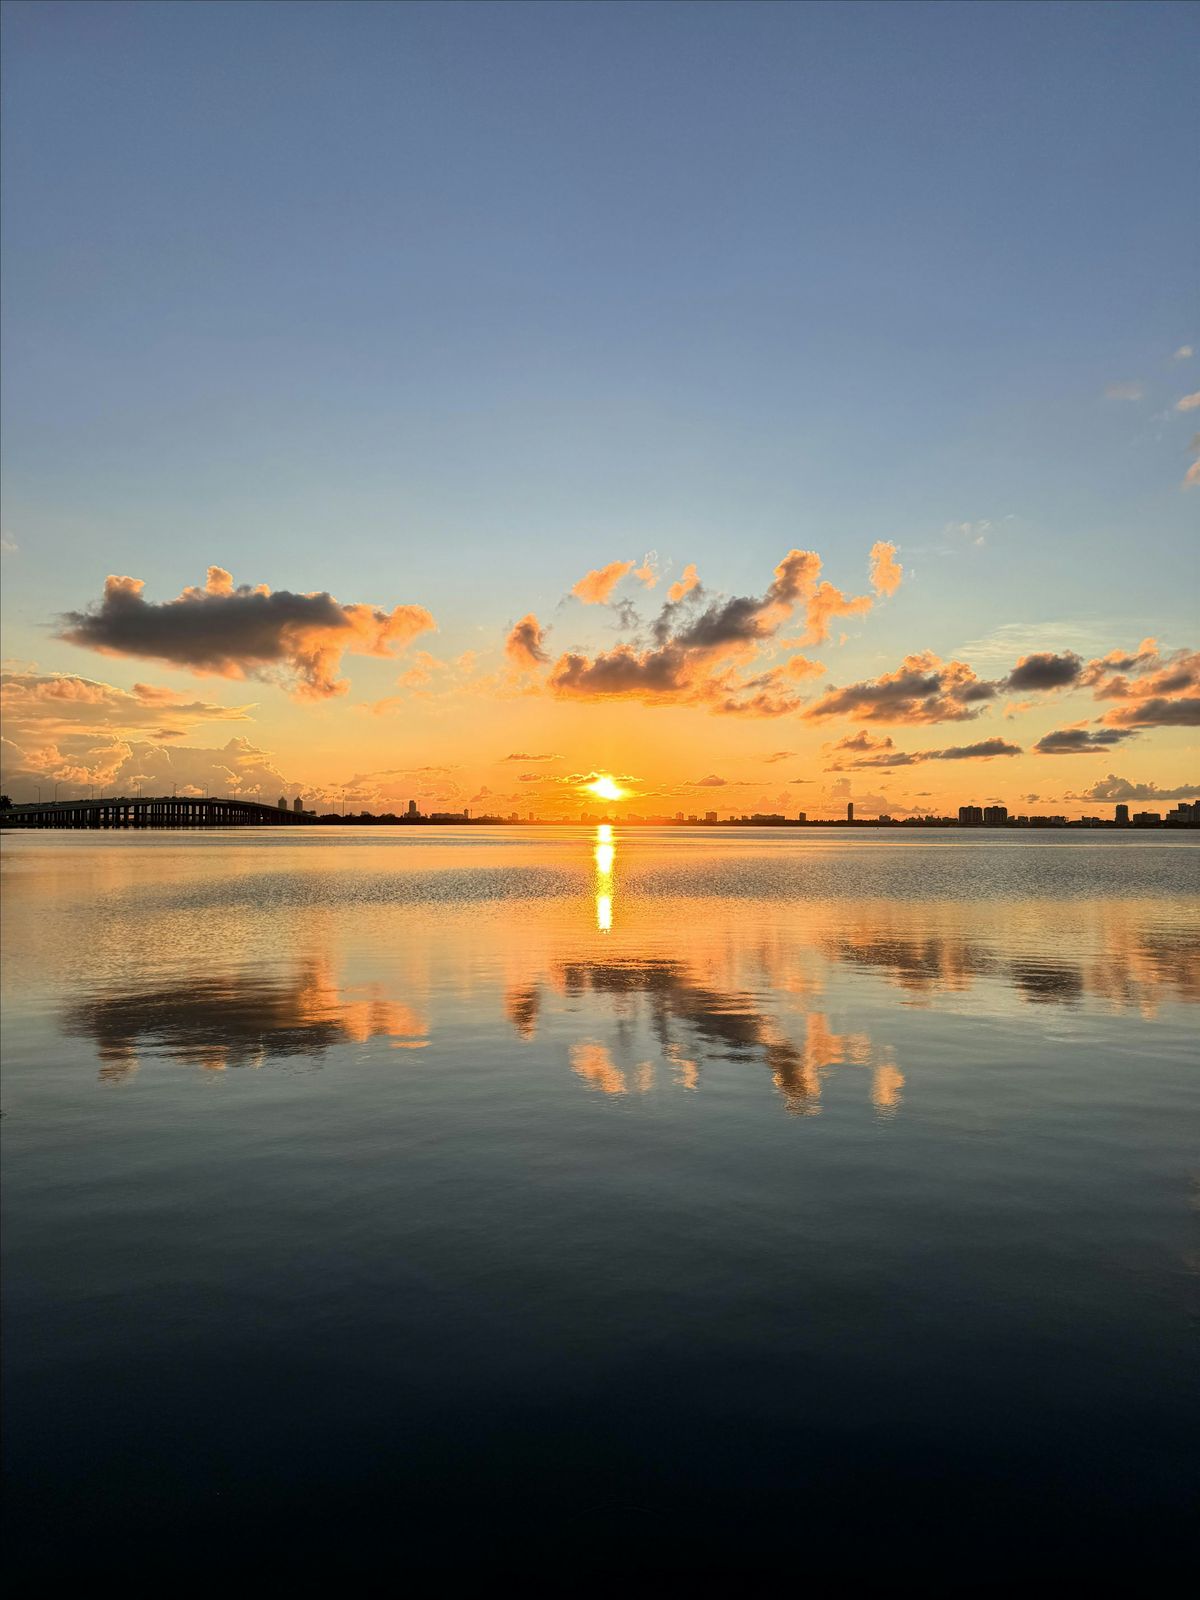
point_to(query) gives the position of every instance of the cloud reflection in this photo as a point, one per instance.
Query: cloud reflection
(721, 1024)
(1128, 966)
(241, 1018)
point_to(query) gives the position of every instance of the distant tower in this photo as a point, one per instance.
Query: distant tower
(297, 805)
(850, 812)
(1121, 816)
(283, 802)
(412, 808)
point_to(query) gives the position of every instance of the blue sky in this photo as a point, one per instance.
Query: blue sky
(449, 303)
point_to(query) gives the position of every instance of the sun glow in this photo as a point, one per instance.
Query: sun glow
(604, 788)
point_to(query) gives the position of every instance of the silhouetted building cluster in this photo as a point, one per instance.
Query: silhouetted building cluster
(1185, 814)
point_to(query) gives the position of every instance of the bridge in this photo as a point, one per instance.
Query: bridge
(154, 811)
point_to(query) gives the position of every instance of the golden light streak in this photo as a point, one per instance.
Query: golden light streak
(604, 856)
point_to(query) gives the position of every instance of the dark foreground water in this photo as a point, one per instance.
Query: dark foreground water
(557, 1204)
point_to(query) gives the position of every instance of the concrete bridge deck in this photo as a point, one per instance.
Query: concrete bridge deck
(157, 811)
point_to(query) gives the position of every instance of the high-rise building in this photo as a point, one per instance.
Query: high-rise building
(802, 816)
(412, 808)
(970, 816)
(850, 812)
(710, 816)
(995, 816)
(283, 803)
(1121, 816)
(297, 805)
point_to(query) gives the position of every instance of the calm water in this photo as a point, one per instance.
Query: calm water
(796, 1204)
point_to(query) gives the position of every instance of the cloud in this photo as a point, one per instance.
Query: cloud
(120, 766)
(1044, 671)
(1124, 391)
(725, 625)
(1192, 476)
(1189, 402)
(696, 651)
(1115, 788)
(777, 755)
(244, 632)
(1157, 712)
(1184, 353)
(693, 651)
(525, 644)
(922, 689)
(997, 648)
(520, 757)
(977, 532)
(595, 587)
(1152, 689)
(711, 782)
(1080, 741)
(422, 671)
(650, 675)
(861, 743)
(886, 571)
(59, 704)
(647, 573)
(884, 755)
(687, 581)
(1101, 672)
(825, 603)
(8, 544)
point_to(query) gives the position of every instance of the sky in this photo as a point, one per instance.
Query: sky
(770, 406)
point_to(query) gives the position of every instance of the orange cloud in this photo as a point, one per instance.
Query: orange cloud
(886, 571)
(525, 645)
(922, 689)
(96, 757)
(887, 756)
(244, 631)
(825, 603)
(684, 584)
(693, 653)
(59, 703)
(1154, 690)
(596, 586)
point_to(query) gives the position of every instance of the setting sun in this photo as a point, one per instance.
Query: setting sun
(604, 788)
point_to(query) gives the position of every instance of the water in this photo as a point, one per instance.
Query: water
(567, 1202)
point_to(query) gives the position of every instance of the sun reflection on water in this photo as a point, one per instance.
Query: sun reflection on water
(604, 855)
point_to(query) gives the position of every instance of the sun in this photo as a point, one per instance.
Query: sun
(604, 788)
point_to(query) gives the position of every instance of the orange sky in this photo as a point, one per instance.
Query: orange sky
(693, 699)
